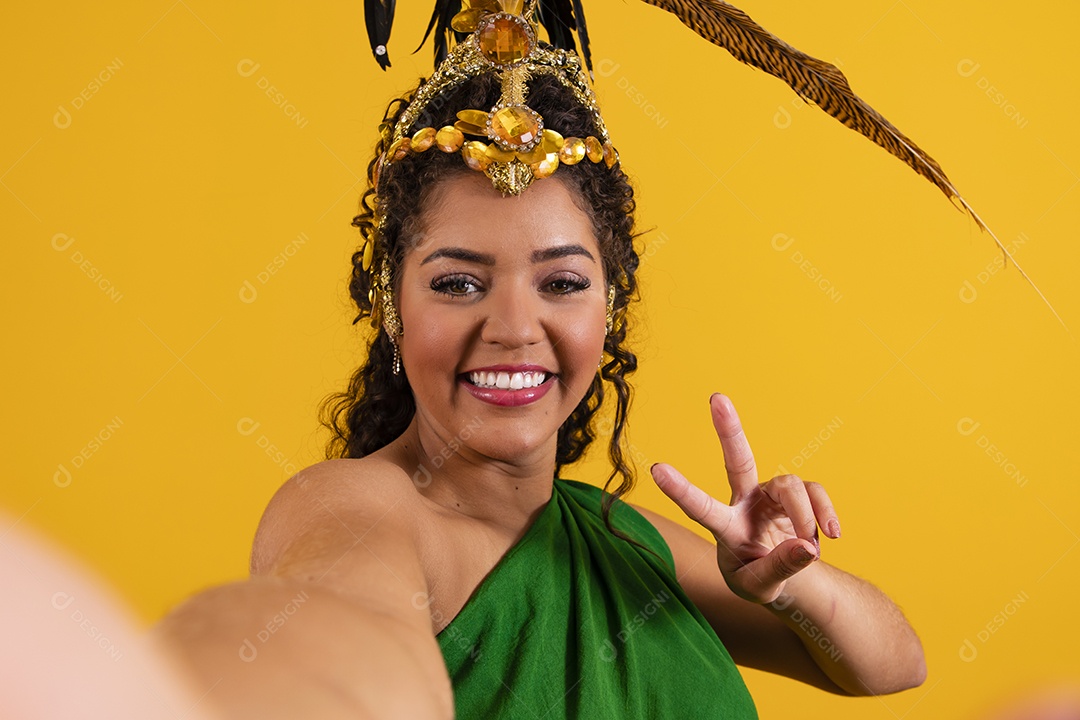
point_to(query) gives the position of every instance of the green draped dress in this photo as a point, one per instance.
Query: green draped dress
(573, 622)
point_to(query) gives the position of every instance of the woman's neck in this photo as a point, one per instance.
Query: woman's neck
(500, 492)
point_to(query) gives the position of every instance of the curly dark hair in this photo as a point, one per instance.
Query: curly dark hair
(378, 405)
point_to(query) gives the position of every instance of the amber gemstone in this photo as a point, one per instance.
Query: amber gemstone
(610, 156)
(368, 252)
(594, 149)
(466, 20)
(423, 139)
(378, 171)
(473, 117)
(497, 154)
(532, 156)
(551, 141)
(399, 149)
(572, 151)
(449, 139)
(475, 155)
(504, 39)
(470, 129)
(515, 126)
(545, 167)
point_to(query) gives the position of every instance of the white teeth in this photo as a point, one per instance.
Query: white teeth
(507, 381)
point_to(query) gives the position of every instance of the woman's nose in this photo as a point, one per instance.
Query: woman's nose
(512, 317)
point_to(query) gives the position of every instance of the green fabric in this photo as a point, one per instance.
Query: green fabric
(575, 623)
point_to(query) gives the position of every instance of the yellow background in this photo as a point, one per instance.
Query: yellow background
(179, 180)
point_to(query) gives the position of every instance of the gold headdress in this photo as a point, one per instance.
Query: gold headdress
(502, 40)
(501, 36)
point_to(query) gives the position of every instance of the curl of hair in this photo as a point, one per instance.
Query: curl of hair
(378, 405)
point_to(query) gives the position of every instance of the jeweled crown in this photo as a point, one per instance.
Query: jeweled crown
(516, 147)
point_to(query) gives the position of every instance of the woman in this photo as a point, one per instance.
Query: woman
(441, 564)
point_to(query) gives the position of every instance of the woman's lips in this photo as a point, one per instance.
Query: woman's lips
(508, 398)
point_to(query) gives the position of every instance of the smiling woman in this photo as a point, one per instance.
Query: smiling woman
(445, 566)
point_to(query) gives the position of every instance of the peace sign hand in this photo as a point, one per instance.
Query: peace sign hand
(769, 531)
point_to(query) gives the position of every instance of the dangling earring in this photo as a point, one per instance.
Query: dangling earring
(610, 325)
(390, 317)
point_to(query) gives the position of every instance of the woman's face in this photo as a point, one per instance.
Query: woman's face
(498, 294)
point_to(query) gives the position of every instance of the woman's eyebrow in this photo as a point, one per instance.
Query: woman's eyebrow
(538, 256)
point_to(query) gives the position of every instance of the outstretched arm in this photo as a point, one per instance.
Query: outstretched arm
(770, 599)
(327, 626)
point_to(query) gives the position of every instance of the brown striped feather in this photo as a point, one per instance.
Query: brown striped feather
(821, 83)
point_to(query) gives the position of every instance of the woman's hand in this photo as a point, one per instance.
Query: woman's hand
(769, 531)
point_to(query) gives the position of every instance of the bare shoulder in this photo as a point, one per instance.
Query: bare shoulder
(353, 492)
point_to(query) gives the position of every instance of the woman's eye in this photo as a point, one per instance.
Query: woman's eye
(454, 285)
(568, 285)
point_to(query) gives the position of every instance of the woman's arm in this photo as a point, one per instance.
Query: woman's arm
(326, 627)
(852, 630)
(828, 628)
(767, 555)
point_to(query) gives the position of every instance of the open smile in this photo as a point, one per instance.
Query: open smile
(506, 387)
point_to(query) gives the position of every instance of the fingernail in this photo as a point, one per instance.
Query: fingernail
(834, 528)
(802, 555)
(712, 396)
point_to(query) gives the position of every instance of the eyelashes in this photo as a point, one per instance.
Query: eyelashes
(463, 285)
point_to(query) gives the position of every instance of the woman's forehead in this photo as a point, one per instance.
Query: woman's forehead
(466, 211)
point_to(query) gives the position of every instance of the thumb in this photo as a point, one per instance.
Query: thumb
(762, 579)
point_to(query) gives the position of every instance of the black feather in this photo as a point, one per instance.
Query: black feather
(379, 18)
(583, 34)
(557, 17)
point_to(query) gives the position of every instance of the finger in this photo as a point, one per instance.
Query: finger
(738, 459)
(789, 492)
(761, 580)
(698, 505)
(823, 509)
